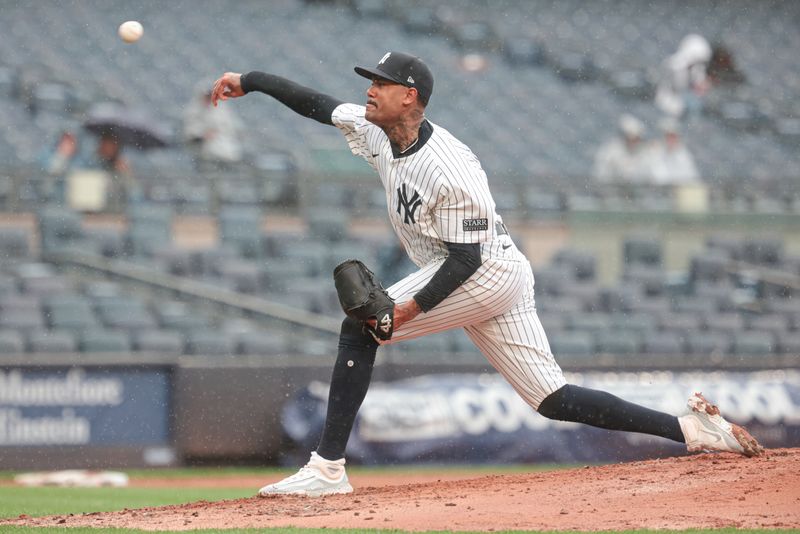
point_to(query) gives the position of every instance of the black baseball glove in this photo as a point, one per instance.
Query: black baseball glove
(363, 298)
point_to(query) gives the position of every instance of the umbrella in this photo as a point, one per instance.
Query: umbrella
(129, 126)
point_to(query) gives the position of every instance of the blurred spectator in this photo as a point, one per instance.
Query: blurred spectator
(684, 80)
(620, 159)
(668, 159)
(123, 187)
(71, 156)
(214, 133)
(56, 161)
(108, 157)
(722, 68)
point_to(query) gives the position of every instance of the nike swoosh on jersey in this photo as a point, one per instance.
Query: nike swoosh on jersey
(506, 247)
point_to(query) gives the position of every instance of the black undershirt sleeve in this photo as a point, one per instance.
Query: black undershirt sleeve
(462, 261)
(307, 102)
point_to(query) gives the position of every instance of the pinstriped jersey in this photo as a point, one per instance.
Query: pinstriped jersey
(437, 194)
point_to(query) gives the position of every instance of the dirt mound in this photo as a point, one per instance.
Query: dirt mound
(703, 491)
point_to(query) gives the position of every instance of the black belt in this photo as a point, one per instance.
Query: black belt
(500, 229)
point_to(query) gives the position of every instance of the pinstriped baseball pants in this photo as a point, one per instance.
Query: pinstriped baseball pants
(496, 308)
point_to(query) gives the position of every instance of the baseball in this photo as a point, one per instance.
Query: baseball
(130, 31)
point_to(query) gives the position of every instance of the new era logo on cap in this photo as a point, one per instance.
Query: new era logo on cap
(403, 69)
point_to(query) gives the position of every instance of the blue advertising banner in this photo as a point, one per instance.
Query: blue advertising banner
(479, 418)
(84, 406)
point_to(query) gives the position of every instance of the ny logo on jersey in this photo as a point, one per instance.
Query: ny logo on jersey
(409, 206)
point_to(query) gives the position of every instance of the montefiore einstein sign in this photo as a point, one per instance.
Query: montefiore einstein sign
(77, 406)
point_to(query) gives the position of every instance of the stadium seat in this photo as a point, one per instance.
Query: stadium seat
(763, 251)
(581, 265)
(708, 267)
(233, 192)
(694, 305)
(651, 279)
(261, 343)
(163, 342)
(21, 319)
(771, 322)
(587, 293)
(729, 245)
(328, 225)
(728, 323)
(104, 341)
(653, 306)
(149, 228)
(176, 261)
(521, 50)
(678, 321)
(207, 262)
(631, 84)
(788, 343)
(706, 343)
(240, 228)
(70, 312)
(209, 342)
(244, 276)
(589, 322)
(8, 286)
(17, 301)
(46, 285)
(180, 316)
(665, 342)
(11, 342)
(618, 342)
(15, 243)
(572, 343)
(109, 242)
(753, 343)
(59, 228)
(52, 342)
(642, 250)
(618, 299)
(633, 322)
(311, 257)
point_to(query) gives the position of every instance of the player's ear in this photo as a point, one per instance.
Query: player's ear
(412, 95)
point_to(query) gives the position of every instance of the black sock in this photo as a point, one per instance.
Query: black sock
(349, 383)
(603, 410)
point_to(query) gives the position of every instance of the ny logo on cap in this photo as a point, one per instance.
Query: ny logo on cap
(384, 58)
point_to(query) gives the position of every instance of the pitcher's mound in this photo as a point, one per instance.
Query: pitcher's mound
(703, 491)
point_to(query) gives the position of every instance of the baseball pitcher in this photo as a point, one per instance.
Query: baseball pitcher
(471, 275)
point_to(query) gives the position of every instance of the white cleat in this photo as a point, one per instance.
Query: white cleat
(317, 478)
(706, 430)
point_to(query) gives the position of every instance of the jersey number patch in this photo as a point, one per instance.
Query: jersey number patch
(407, 207)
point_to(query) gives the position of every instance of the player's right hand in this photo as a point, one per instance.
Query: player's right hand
(228, 86)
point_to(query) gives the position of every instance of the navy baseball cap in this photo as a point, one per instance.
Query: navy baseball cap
(403, 69)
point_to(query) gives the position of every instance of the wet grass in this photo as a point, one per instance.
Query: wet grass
(34, 502)
(230, 471)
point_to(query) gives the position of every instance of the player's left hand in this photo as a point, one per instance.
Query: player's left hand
(402, 313)
(405, 312)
